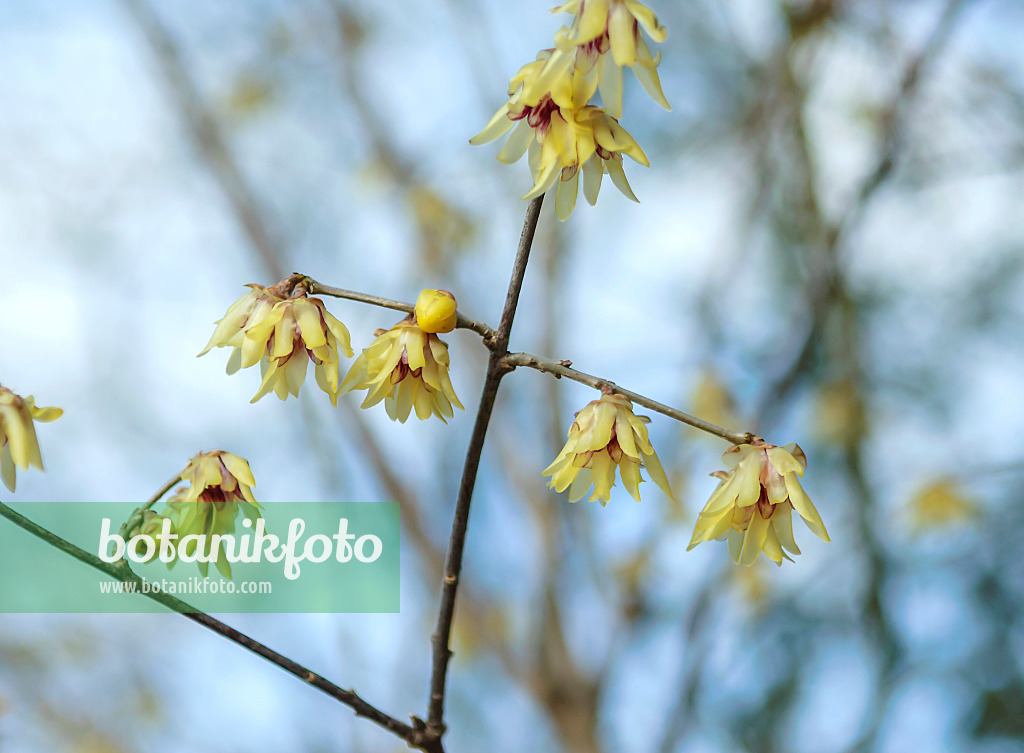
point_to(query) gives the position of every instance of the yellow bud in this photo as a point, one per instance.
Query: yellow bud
(435, 311)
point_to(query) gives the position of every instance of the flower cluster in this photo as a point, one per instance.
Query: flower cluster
(549, 101)
(19, 447)
(220, 486)
(753, 505)
(406, 368)
(606, 435)
(283, 329)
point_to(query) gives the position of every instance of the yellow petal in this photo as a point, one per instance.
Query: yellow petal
(565, 199)
(630, 473)
(753, 541)
(622, 35)
(802, 504)
(307, 316)
(498, 125)
(7, 471)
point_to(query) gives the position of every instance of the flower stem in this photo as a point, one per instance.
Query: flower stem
(496, 369)
(463, 322)
(560, 369)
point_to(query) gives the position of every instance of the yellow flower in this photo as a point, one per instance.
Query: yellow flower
(939, 504)
(19, 447)
(753, 504)
(563, 136)
(283, 329)
(406, 368)
(600, 27)
(605, 435)
(436, 311)
(220, 487)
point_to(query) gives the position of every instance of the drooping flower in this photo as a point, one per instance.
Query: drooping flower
(220, 486)
(752, 506)
(562, 134)
(283, 329)
(604, 37)
(436, 311)
(19, 446)
(406, 368)
(606, 435)
(550, 100)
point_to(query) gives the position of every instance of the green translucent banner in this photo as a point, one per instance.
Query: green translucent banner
(299, 557)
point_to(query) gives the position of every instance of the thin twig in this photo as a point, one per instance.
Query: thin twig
(175, 479)
(463, 322)
(121, 572)
(561, 369)
(136, 517)
(496, 369)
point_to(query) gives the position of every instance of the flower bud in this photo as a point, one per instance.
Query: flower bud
(435, 311)
(150, 525)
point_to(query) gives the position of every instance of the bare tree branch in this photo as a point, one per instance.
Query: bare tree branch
(121, 572)
(560, 369)
(496, 369)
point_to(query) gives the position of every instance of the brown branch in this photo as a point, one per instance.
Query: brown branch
(463, 322)
(496, 369)
(560, 369)
(121, 572)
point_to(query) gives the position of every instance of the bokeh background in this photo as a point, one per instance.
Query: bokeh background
(827, 250)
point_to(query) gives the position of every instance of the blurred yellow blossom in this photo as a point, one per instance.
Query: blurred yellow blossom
(712, 401)
(939, 504)
(839, 413)
(751, 585)
(436, 311)
(606, 435)
(406, 368)
(19, 447)
(283, 329)
(753, 504)
(220, 486)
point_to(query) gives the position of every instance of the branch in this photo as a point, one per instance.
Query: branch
(121, 572)
(496, 369)
(463, 322)
(561, 369)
